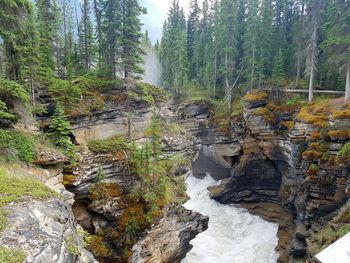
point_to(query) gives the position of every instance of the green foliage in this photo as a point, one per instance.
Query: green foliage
(71, 244)
(5, 114)
(12, 188)
(110, 145)
(84, 91)
(17, 146)
(344, 152)
(100, 174)
(60, 130)
(10, 89)
(343, 230)
(149, 93)
(10, 255)
(132, 227)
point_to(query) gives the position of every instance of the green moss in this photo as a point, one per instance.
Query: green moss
(12, 188)
(10, 255)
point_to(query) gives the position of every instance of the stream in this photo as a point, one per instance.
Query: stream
(233, 235)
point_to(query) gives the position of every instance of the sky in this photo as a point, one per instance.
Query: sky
(157, 11)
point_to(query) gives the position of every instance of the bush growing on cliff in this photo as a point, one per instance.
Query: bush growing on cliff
(344, 152)
(10, 255)
(17, 146)
(60, 131)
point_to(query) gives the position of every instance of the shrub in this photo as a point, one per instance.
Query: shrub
(268, 115)
(312, 155)
(344, 152)
(60, 131)
(110, 145)
(339, 134)
(17, 146)
(313, 169)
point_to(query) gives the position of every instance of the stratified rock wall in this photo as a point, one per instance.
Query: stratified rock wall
(264, 169)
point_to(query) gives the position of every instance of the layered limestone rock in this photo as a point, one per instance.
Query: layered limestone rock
(45, 230)
(176, 229)
(267, 163)
(104, 212)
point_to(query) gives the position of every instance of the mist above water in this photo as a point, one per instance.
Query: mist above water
(233, 236)
(152, 67)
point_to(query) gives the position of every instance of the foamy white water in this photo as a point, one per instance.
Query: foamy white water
(233, 236)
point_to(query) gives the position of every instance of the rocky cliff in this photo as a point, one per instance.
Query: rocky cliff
(104, 183)
(280, 160)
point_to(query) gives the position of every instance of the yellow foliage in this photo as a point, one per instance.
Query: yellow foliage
(69, 179)
(104, 190)
(288, 124)
(339, 134)
(97, 247)
(315, 136)
(268, 115)
(341, 114)
(256, 95)
(312, 155)
(315, 113)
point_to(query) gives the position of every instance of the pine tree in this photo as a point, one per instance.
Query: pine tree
(46, 21)
(130, 40)
(193, 45)
(250, 58)
(86, 35)
(337, 44)
(60, 130)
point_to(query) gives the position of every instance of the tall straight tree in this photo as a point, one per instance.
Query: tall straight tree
(87, 39)
(312, 50)
(111, 23)
(131, 49)
(250, 58)
(193, 27)
(337, 44)
(46, 21)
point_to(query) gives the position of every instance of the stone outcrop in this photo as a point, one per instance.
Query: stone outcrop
(264, 167)
(46, 230)
(169, 240)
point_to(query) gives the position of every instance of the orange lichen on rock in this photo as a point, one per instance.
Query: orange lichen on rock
(256, 95)
(341, 114)
(281, 108)
(135, 211)
(315, 136)
(97, 247)
(104, 190)
(316, 114)
(339, 134)
(288, 124)
(69, 179)
(268, 115)
(313, 155)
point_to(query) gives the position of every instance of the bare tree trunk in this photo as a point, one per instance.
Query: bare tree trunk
(227, 84)
(311, 83)
(252, 73)
(347, 87)
(215, 74)
(313, 51)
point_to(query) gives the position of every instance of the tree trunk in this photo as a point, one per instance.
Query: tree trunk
(252, 73)
(311, 83)
(227, 84)
(347, 87)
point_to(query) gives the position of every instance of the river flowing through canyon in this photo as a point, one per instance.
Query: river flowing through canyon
(233, 236)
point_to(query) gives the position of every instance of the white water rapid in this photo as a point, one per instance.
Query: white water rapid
(233, 236)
